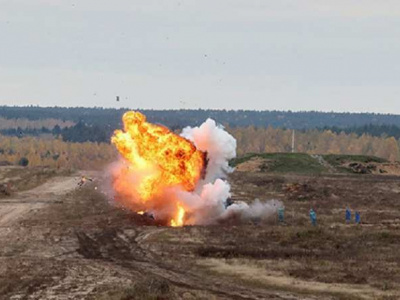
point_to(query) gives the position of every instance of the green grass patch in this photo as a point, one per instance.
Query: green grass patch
(339, 159)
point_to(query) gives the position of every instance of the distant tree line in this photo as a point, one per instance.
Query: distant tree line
(78, 133)
(33, 151)
(268, 140)
(55, 152)
(174, 119)
(19, 132)
(82, 132)
(370, 129)
(255, 131)
(24, 123)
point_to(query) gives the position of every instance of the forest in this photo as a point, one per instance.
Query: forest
(54, 152)
(374, 130)
(110, 117)
(80, 137)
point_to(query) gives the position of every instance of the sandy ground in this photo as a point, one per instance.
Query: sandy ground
(58, 241)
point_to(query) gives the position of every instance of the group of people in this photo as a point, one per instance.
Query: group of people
(348, 216)
(313, 216)
(357, 216)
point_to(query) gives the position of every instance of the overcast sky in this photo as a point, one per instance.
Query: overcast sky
(328, 55)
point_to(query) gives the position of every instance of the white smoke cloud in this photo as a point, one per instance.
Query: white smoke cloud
(256, 211)
(208, 204)
(219, 145)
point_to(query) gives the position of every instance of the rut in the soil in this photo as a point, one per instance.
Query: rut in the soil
(130, 253)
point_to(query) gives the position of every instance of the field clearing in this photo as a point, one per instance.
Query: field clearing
(75, 245)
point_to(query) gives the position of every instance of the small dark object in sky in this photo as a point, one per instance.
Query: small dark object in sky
(117, 98)
(205, 55)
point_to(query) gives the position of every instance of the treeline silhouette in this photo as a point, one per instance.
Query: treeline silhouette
(184, 117)
(78, 124)
(313, 141)
(32, 151)
(55, 152)
(370, 129)
(78, 133)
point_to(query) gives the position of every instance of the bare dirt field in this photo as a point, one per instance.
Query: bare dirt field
(58, 241)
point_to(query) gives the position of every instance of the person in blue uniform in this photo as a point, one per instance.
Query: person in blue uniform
(281, 214)
(313, 217)
(348, 215)
(358, 217)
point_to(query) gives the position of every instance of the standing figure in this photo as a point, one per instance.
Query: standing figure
(313, 217)
(358, 217)
(281, 214)
(348, 215)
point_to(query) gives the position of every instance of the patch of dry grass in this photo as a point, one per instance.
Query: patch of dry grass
(21, 278)
(248, 272)
(23, 179)
(149, 288)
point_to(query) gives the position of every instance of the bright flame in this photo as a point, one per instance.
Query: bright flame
(141, 212)
(179, 217)
(157, 160)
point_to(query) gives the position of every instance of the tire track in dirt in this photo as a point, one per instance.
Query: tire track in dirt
(188, 279)
(131, 253)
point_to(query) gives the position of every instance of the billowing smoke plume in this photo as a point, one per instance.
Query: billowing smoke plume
(208, 202)
(219, 145)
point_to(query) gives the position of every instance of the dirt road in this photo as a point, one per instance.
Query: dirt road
(17, 206)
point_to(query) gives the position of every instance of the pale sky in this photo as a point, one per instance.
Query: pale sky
(327, 55)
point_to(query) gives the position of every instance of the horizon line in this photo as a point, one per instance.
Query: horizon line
(197, 109)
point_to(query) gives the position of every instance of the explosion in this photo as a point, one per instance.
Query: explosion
(179, 217)
(162, 160)
(178, 179)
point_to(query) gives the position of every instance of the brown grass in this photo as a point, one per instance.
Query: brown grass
(150, 288)
(23, 179)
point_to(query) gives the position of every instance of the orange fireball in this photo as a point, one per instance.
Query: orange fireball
(157, 160)
(178, 220)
